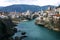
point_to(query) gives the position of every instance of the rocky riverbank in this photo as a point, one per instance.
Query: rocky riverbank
(48, 23)
(7, 28)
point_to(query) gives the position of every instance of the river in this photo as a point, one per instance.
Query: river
(35, 32)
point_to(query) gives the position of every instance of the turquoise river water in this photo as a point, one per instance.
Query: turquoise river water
(35, 32)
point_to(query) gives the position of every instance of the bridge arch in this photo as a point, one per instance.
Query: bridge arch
(35, 16)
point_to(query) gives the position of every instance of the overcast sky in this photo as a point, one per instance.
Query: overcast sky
(29, 2)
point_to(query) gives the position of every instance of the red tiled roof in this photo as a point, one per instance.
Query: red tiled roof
(57, 15)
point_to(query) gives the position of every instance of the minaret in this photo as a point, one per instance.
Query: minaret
(54, 10)
(15, 11)
(49, 8)
(2, 13)
(41, 12)
(28, 12)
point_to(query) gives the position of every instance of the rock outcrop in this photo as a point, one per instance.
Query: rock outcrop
(6, 29)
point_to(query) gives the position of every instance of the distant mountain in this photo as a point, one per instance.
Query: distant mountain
(23, 8)
(46, 7)
(1, 7)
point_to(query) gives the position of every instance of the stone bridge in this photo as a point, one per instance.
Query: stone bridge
(33, 16)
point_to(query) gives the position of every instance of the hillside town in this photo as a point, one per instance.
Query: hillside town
(50, 18)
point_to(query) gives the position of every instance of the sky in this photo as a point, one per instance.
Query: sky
(30, 2)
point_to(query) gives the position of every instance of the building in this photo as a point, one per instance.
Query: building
(58, 9)
(3, 14)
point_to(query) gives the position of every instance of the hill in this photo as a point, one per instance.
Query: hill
(23, 8)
